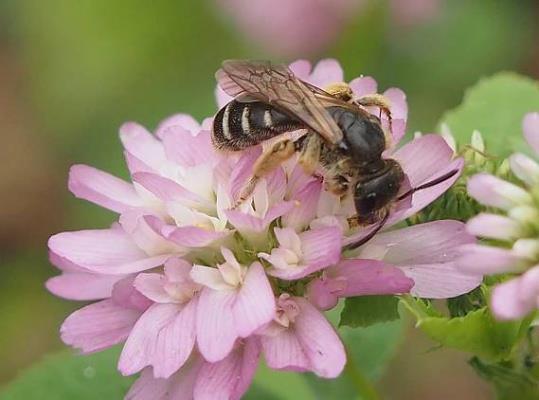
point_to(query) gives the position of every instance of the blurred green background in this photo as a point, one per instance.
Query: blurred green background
(72, 71)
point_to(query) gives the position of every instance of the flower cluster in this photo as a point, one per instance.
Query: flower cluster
(511, 228)
(199, 291)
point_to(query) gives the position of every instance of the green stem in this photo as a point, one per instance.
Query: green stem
(363, 386)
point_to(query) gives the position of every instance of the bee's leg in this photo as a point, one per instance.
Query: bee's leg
(310, 147)
(354, 222)
(337, 184)
(380, 101)
(339, 176)
(270, 159)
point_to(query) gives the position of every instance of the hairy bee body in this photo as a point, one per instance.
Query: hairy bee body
(240, 125)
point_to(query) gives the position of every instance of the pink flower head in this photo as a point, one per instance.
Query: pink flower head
(296, 27)
(197, 289)
(301, 27)
(515, 225)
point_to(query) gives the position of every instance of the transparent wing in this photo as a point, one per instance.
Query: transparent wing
(278, 86)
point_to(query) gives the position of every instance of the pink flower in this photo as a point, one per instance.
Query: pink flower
(234, 304)
(164, 335)
(304, 27)
(190, 284)
(301, 339)
(519, 296)
(227, 379)
(296, 27)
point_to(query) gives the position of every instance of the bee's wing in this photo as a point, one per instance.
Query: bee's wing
(328, 100)
(278, 86)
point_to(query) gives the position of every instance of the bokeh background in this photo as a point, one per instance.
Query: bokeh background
(71, 72)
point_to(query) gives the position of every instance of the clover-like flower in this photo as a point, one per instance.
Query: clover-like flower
(513, 229)
(198, 290)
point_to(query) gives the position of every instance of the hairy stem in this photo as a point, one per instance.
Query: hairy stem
(363, 386)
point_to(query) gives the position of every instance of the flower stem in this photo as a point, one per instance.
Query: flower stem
(364, 387)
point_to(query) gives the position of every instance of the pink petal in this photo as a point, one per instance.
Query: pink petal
(431, 242)
(398, 105)
(495, 192)
(530, 284)
(152, 286)
(284, 351)
(135, 165)
(163, 337)
(210, 277)
(530, 126)
(124, 294)
(525, 168)
(479, 259)
(250, 223)
(167, 190)
(142, 145)
(440, 281)
(102, 188)
(493, 226)
(215, 329)
(254, 305)
(509, 303)
(64, 264)
(193, 236)
(184, 121)
(301, 68)
(424, 158)
(230, 378)
(178, 270)
(325, 72)
(321, 248)
(187, 150)
(364, 85)
(398, 130)
(146, 387)
(243, 170)
(323, 292)
(423, 198)
(320, 343)
(369, 277)
(135, 223)
(178, 386)
(82, 286)
(103, 250)
(98, 326)
(305, 205)
(276, 184)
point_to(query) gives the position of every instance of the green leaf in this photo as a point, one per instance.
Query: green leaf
(461, 305)
(495, 106)
(477, 332)
(364, 311)
(278, 385)
(65, 376)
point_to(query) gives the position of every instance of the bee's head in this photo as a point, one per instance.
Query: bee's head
(376, 191)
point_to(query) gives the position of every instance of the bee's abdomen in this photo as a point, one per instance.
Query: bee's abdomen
(239, 125)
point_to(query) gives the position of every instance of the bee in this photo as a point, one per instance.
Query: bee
(342, 137)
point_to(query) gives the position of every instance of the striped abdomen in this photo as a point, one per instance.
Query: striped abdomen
(240, 125)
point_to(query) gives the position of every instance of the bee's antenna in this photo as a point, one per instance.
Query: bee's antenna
(369, 236)
(427, 185)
